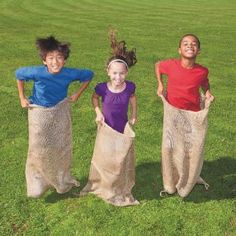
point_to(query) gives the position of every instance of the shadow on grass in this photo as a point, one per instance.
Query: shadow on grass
(53, 196)
(219, 174)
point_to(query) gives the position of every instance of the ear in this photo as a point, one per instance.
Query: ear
(44, 62)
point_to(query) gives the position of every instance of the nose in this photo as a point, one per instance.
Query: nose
(118, 76)
(54, 60)
(189, 45)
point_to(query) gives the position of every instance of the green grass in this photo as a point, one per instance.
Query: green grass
(154, 28)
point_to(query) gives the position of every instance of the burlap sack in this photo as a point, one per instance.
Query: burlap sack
(112, 171)
(182, 148)
(50, 149)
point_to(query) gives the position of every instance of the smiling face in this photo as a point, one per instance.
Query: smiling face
(189, 47)
(117, 72)
(54, 61)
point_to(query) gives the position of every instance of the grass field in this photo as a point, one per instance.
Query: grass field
(154, 28)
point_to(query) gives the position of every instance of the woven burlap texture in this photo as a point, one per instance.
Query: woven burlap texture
(112, 171)
(183, 141)
(50, 149)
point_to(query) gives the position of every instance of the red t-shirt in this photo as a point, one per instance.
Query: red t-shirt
(183, 84)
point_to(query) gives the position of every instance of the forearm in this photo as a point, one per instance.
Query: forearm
(20, 86)
(23, 100)
(99, 116)
(158, 75)
(95, 102)
(82, 88)
(160, 87)
(133, 104)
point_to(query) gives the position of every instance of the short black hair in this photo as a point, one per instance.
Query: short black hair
(49, 44)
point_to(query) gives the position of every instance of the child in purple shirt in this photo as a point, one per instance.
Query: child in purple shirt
(112, 170)
(118, 93)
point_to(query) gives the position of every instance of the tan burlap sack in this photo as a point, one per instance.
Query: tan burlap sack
(182, 148)
(50, 149)
(112, 171)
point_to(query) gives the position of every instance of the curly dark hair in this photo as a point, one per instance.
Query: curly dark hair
(119, 51)
(49, 44)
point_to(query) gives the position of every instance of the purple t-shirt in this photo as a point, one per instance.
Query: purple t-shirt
(115, 105)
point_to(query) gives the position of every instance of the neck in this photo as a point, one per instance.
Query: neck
(116, 88)
(188, 63)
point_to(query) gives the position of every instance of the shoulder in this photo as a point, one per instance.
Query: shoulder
(202, 68)
(69, 69)
(100, 88)
(101, 85)
(29, 71)
(76, 71)
(130, 86)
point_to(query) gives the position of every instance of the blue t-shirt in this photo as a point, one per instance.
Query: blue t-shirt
(49, 89)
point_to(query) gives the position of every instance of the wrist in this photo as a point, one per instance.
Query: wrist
(97, 110)
(22, 96)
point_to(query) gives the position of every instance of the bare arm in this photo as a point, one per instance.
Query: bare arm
(206, 88)
(99, 116)
(133, 104)
(160, 88)
(23, 100)
(75, 96)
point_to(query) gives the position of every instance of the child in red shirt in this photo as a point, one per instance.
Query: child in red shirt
(185, 76)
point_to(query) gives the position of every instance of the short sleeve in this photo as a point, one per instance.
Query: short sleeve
(81, 75)
(131, 87)
(85, 75)
(205, 82)
(164, 66)
(100, 89)
(26, 73)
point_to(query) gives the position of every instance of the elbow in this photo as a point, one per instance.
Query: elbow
(18, 74)
(90, 75)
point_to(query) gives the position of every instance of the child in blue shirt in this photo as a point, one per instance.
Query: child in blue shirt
(51, 80)
(50, 145)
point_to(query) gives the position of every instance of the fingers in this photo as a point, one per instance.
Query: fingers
(100, 120)
(210, 98)
(71, 99)
(133, 121)
(25, 104)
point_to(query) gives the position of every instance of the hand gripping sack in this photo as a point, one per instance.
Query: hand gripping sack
(50, 149)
